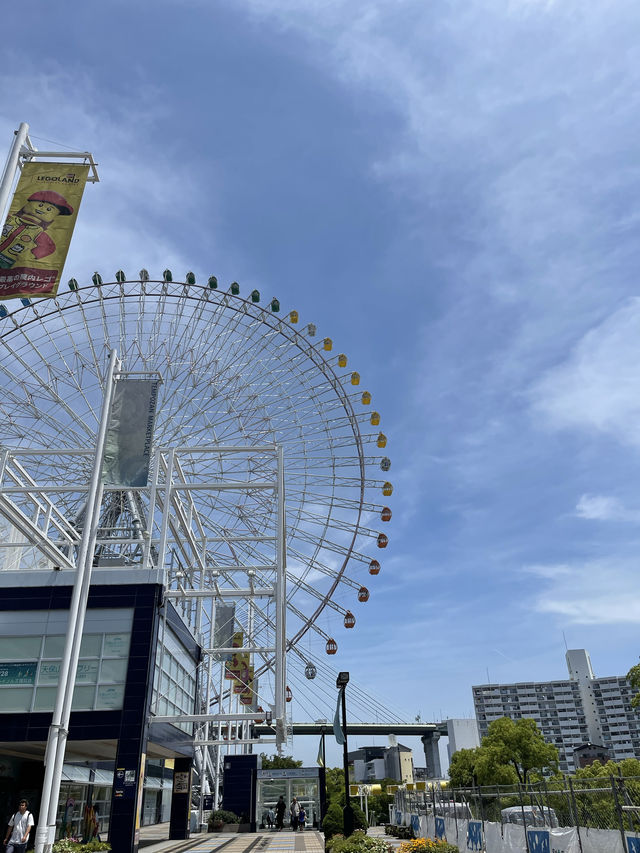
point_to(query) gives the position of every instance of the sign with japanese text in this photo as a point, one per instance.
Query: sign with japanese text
(37, 231)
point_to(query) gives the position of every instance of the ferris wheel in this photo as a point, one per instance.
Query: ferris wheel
(237, 372)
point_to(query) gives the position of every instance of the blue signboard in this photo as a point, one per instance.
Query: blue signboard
(633, 844)
(440, 828)
(539, 841)
(18, 673)
(474, 835)
(415, 824)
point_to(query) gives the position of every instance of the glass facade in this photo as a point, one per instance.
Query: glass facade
(174, 684)
(301, 782)
(31, 654)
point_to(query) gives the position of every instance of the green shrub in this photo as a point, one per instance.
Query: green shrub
(225, 816)
(359, 817)
(359, 842)
(404, 832)
(221, 817)
(69, 845)
(332, 823)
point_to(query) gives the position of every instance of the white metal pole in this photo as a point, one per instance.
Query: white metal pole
(281, 592)
(11, 167)
(58, 732)
(216, 781)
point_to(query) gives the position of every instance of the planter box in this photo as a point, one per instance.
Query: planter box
(232, 827)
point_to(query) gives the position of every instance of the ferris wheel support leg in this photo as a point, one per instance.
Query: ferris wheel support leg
(58, 731)
(281, 605)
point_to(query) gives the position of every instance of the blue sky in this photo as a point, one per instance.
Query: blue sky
(449, 190)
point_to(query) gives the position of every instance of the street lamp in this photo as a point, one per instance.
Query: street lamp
(347, 813)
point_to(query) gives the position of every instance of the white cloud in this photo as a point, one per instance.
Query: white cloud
(604, 508)
(596, 388)
(128, 217)
(595, 592)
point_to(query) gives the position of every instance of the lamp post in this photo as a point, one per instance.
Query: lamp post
(347, 813)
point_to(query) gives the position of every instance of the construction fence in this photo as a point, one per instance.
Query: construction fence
(596, 815)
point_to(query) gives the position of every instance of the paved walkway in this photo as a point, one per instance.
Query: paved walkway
(286, 841)
(154, 840)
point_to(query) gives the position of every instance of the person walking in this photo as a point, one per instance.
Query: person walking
(301, 818)
(294, 811)
(280, 807)
(19, 828)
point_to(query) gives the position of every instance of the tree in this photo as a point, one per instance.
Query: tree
(462, 768)
(509, 752)
(335, 785)
(278, 762)
(633, 677)
(516, 744)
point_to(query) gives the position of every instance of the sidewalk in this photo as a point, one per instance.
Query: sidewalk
(378, 832)
(153, 839)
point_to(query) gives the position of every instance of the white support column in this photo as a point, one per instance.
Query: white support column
(58, 732)
(11, 167)
(281, 602)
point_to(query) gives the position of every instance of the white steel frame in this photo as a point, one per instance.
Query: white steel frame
(22, 151)
(171, 521)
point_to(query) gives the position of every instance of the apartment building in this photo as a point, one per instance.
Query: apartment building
(582, 709)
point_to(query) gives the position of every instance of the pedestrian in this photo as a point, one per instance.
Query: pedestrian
(301, 818)
(294, 811)
(280, 807)
(271, 818)
(19, 828)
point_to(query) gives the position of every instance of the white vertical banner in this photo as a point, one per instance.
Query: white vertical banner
(493, 838)
(431, 826)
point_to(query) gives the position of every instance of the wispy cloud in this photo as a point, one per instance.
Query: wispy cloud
(604, 508)
(596, 387)
(594, 592)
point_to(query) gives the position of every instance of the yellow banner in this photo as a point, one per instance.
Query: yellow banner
(239, 662)
(243, 676)
(37, 232)
(246, 691)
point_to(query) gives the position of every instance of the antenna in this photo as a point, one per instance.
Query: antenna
(566, 647)
(488, 676)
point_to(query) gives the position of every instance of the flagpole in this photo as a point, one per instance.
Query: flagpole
(11, 167)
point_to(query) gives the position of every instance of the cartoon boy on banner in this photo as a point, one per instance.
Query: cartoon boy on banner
(36, 234)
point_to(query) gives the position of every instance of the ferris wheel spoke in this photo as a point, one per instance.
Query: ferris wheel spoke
(234, 373)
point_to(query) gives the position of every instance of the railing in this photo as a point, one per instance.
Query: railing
(589, 806)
